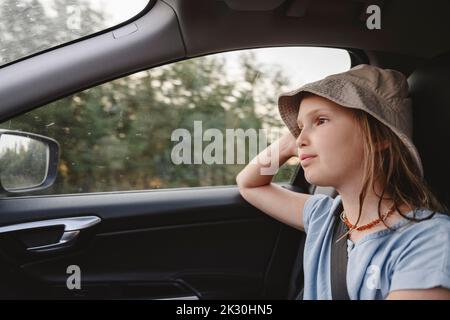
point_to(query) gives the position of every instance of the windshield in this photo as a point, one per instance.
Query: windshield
(31, 26)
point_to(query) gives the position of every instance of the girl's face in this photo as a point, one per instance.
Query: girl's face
(329, 132)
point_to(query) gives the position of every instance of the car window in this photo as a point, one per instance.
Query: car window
(191, 123)
(31, 26)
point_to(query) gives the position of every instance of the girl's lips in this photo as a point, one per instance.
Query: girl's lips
(307, 160)
(306, 155)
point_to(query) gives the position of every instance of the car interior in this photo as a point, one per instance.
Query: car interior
(208, 242)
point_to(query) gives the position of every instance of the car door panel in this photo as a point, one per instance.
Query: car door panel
(192, 243)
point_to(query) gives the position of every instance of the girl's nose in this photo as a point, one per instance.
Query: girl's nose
(298, 140)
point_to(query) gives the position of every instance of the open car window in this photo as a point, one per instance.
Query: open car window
(192, 123)
(30, 26)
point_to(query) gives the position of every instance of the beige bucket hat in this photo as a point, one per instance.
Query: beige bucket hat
(383, 93)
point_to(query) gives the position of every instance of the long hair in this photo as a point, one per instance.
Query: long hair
(394, 166)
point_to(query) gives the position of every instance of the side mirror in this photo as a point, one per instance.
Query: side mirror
(28, 161)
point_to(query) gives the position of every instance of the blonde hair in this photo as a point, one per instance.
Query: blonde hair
(395, 168)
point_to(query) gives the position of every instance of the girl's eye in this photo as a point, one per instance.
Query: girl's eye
(317, 120)
(322, 119)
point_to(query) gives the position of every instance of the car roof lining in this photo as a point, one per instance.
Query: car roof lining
(411, 29)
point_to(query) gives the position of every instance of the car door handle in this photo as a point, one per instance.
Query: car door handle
(72, 228)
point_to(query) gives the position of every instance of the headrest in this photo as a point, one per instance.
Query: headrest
(430, 92)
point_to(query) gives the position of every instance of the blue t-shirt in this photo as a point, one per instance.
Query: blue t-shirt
(414, 256)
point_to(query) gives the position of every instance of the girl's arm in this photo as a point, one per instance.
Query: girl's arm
(420, 294)
(258, 189)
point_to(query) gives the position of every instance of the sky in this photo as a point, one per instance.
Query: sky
(300, 64)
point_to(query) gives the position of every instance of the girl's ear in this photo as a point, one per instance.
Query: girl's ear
(382, 145)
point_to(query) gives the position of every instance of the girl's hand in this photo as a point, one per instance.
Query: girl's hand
(260, 170)
(288, 145)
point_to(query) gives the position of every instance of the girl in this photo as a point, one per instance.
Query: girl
(353, 131)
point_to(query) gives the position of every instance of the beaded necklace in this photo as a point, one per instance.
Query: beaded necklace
(367, 226)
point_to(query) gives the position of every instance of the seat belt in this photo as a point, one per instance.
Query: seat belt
(338, 262)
